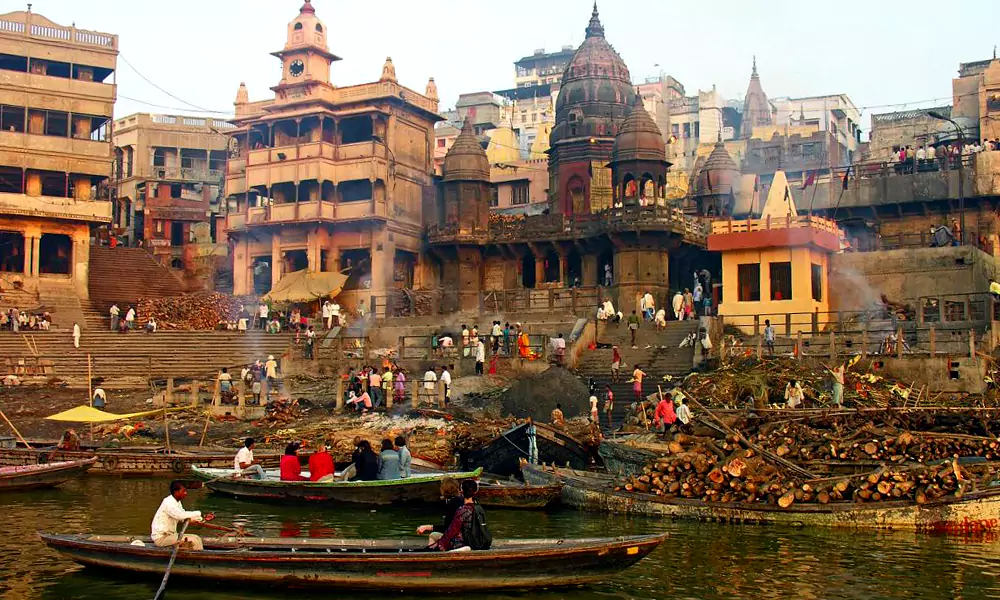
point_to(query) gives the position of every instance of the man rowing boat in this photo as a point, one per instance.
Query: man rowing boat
(170, 513)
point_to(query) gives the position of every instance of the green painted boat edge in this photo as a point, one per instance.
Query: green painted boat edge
(197, 471)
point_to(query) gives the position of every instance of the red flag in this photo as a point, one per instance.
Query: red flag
(810, 179)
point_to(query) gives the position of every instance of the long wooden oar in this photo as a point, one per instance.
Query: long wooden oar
(173, 557)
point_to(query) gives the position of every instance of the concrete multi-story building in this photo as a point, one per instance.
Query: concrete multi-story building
(834, 113)
(168, 176)
(57, 93)
(330, 178)
(542, 68)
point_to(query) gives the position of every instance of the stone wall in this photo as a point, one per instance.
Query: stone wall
(858, 278)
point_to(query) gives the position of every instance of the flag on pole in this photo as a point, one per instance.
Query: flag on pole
(810, 179)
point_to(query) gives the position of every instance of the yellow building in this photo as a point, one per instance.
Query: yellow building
(329, 178)
(57, 93)
(776, 265)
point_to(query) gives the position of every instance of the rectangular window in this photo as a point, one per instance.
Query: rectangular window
(749, 282)
(781, 281)
(519, 193)
(442, 142)
(817, 282)
(687, 130)
(494, 196)
(697, 130)
(676, 130)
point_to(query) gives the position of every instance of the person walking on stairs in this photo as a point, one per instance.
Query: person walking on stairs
(115, 317)
(633, 326)
(76, 335)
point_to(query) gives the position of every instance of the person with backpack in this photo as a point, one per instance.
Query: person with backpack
(468, 529)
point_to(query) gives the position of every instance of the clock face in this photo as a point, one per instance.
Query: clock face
(296, 68)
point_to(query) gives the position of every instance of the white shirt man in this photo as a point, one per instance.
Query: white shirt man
(76, 335)
(115, 315)
(262, 311)
(609, 308)
(130, 317)
(243, 464)
(446, 382)
(683, 414)
(921, 153)
(327, 313)
(497, 330)
(271, 368)
(446, 341)
(163, 530)
(931, 153)
(480, 352)
(430, 380)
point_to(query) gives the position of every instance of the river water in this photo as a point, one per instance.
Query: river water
(700, 560)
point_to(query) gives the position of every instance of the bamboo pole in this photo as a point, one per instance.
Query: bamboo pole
(166, 430)
(90, 391)
(14, 429)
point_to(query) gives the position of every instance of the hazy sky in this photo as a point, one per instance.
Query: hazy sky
(876, 51)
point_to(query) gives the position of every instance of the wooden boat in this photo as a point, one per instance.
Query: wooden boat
(627, 456)
(32, 477)
(502, 456)
(396, 565)
(421, 487)
(128, 461)
(500, 492)
(976, 512)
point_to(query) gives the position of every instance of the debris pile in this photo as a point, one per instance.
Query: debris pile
(201, 310)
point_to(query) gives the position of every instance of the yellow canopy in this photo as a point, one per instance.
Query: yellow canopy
(87, 414)
(305, 286)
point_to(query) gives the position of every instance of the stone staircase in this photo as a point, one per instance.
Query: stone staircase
(122, 276)
(131, 359)
(657, 352)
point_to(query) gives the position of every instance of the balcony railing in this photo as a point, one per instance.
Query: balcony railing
(694, 230)
(188, 173)
(293, 212)
(55, 32)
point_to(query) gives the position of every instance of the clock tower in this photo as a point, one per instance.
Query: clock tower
(305, 59)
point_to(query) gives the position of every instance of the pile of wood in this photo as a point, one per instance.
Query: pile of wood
(200, 311)
(800, 442)
(727, 473)
(280, 412)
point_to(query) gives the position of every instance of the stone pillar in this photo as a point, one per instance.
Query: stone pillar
(638, 271)
(313, 251)
(563, 267)
(539, 270)
(383, 252)
(276, 259)
(590, 278)
(36, 242)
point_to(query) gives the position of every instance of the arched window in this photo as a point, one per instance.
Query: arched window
(176, 264)
(319, 28)
(297, 27)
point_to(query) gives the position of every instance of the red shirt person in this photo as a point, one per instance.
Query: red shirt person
(320, 464)
(291, 469)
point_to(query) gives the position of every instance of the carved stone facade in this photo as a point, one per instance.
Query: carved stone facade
(330, 178)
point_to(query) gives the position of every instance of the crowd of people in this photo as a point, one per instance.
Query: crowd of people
(907, 158)
(17, 320)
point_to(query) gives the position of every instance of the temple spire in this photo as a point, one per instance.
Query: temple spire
(754, 74)
(595, 29)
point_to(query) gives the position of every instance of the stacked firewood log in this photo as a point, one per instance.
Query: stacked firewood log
(725, 472)
(201, 310)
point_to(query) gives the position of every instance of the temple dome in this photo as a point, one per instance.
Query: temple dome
(719, 173)
(466, 160)
(596, 90)
(639, 138)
